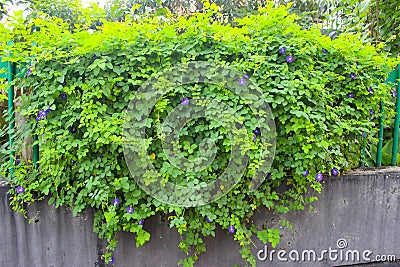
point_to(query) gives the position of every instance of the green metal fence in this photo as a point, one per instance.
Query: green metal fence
(9, 71)
(393, 77)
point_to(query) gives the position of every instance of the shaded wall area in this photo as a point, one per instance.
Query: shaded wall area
(361, 210)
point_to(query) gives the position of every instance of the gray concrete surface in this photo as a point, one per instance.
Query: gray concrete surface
(362, 208)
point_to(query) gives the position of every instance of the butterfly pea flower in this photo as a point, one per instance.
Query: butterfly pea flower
(208, 220)
(289, 59)
(129, 210)
(185, 101)
(254, 138)
(370, 90)
(353, 76)
(115, 202)
(282, 50)
(305, 173)
(141, 222)
(257, 131)
(246, 76)
(371, 112)
(111, 260)
(20, 189)
(319, 177)
(324, 51)
(242, 82)
(394, 92)
(231, 229)
(17, 159)
(63, 96)
(29, 71)
(350, 95)
(335, 172)
(42, 114)
(73, 129)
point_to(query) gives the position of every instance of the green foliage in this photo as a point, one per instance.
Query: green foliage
(318, 126)
(68, 10)
(387, 150)
(378, 21)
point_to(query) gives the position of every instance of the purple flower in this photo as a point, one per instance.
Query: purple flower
(363, 134)
(254, 138)
(319, 177)
(289, 59)
(141, 222)
(17, 159)
(231, 229)
(95, 56)
(353, 76)
(20, 189)
(335, 172)
(42, 114)
(73, 129)
(64, 83)
(101, 156)
(394, 92)
(371, 112)
(115, 201)
(350, 95)
(257, 131)
(111, 260)
(242, 81)
(29, 71)
(282, 50)
(305, 173)
(208, 220)
(324, 51)
(63, 96)
(370, 90)
(357, 63)
(185, 101)
(246, 76)
(72, 162)
(129, 210)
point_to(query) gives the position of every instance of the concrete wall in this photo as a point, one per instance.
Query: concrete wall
(363, 208)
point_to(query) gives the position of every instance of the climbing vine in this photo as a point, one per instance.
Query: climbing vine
(324, 95)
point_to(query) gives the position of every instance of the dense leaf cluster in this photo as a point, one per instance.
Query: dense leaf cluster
(321, 92)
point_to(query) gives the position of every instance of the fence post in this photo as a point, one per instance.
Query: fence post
(380, 136)
(11, 122)
(397, 121)
(35, 150)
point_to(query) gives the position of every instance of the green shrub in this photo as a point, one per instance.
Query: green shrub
(319, 125)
